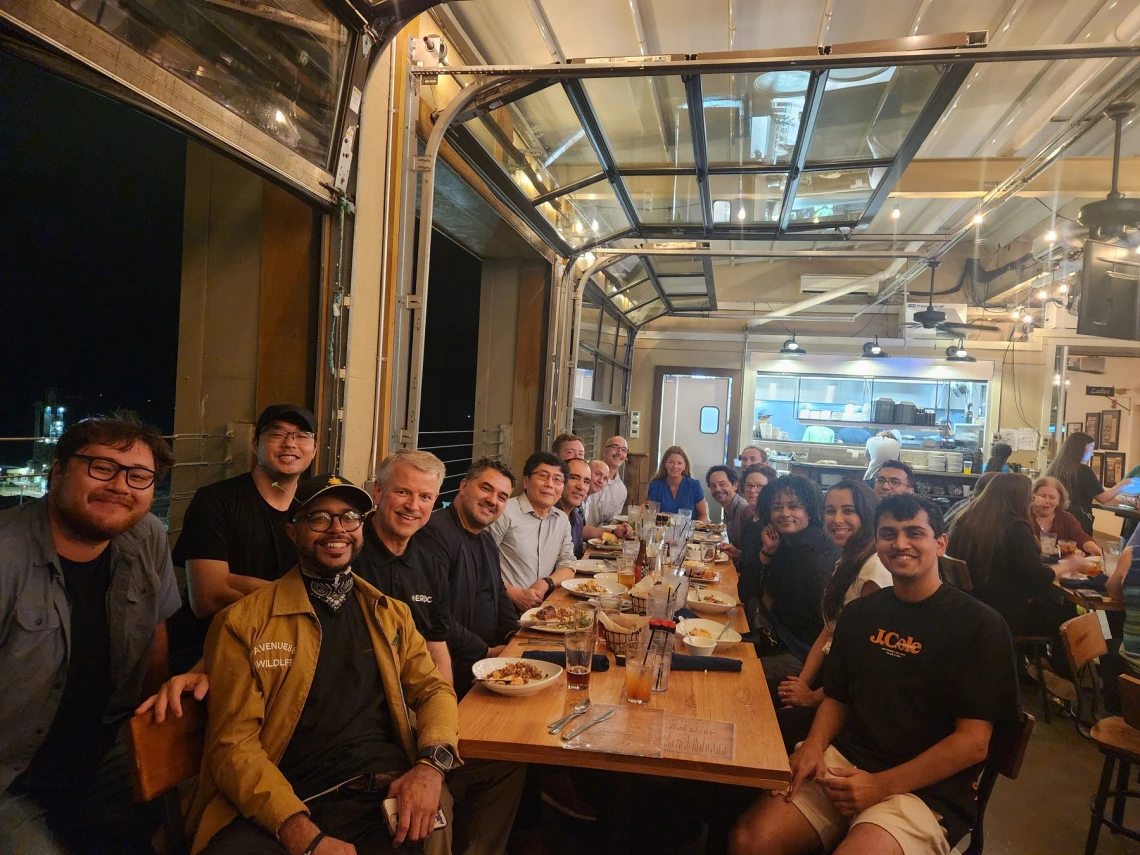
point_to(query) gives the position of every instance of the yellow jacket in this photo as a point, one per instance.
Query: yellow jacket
(261, 655)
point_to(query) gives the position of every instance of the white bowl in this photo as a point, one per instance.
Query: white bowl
(573, 585)
(589, 568)
(731, 636)
(698, 646)
(723, 604)
(485, 666)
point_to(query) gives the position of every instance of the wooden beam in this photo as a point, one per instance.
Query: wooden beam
(968, 178)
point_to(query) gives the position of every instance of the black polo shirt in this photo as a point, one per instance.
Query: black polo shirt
(415, 578)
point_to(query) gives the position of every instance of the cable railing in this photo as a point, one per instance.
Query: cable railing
(492, 442)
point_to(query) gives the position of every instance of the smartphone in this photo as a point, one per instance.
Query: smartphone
(1132, 489)
(392, 816)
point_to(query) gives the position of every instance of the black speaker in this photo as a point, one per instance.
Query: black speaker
(1110, 292)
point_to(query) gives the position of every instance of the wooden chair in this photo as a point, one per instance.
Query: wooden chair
(162, 757)
(1008, 743)
(1118, 739)
(955, 572)
(1084, 642)
(1034, 648)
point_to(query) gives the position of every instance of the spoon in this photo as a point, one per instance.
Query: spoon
(723, 630)
(578, 710)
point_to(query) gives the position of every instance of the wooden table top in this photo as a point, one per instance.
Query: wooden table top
(497, 727)
(1090, 603)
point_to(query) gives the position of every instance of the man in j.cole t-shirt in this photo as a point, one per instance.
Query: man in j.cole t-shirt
(233, 538)
(917, 676)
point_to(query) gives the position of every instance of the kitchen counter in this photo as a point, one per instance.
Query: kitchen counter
(950, 485)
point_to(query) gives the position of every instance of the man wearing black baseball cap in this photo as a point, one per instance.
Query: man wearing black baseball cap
(233, 538)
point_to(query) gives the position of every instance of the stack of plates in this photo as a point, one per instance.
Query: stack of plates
(936, 461)
(954, 461)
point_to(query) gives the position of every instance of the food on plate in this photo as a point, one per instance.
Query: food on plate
(555, 616)
(704, 574)
(610, 539)
(590, 587)
(712, 598)
(700, 633)
(708, 526)
(515, 674)
(691, 563)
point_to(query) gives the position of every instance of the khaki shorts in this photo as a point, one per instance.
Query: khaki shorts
(906, 818)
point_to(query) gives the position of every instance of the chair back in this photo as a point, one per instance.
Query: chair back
(1008, 743)
(1130, 700)
(955, 572)
(162, 757)
(1083, 640)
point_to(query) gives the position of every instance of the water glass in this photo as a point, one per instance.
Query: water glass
(685, 514)
(586, 617)
(579, 658)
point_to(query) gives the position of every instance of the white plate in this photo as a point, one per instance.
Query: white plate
(704, 580)
(731, 636)
(572, 585)
(589, 567)
(529, 615)
(694, 602)
(722, 558)
(603, 578)
(707, 537)
(621, 518)
(598, 543)
(485, 666)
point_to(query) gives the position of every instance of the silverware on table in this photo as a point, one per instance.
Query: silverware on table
(566, 737)
(723, 630)
(579, 709)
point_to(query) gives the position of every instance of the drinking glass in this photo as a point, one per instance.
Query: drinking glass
(685, 513)
(1067, 547)
(586, 617)
(1111, 556)
(625, 571)
(1048, 543)
(639, 678)
(579, 658)
(708, 553)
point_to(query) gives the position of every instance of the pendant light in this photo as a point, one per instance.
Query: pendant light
(872, 350)
(792, 348)
(957, 353)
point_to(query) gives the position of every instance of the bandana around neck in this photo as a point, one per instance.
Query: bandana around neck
(332, 592)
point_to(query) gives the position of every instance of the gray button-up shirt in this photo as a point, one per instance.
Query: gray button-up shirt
(736, 516)
(531, 547)
(35, 625)
(605, 504)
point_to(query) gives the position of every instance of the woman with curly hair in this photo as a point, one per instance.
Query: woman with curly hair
(796, 559)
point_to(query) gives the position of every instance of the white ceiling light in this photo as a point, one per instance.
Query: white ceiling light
(896, 212)
(1051, 235)
(979, 218)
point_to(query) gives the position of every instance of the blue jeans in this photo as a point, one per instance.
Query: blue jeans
(99, 818)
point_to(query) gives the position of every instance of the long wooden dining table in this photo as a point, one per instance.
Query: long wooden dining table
(498, 727)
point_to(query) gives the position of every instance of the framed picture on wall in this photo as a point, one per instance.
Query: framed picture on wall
(1097, 465)
(1113, 468)
(1092, 426)
(1109, 430)
(1072, 428)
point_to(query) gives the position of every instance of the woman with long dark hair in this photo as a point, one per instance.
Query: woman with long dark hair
(849, 519)
(675, 489)
(999, 457)
(796, 559)
(1071, 468)
(994, 536)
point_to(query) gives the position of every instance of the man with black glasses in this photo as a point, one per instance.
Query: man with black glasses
(233, 538)
(536, 549)
(894, 477)
(85, 580)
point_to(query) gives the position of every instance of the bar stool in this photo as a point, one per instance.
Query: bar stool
(1034, 648)
(1118, 739)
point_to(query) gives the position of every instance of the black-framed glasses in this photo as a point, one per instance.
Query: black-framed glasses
(105, 469)
(894, 483)
(297, 436)
(620, 448)
(323, 520)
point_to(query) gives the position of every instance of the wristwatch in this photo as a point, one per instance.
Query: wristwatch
(549, 585)
(438, 757)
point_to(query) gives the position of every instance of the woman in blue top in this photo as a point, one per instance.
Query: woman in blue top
(674, 488)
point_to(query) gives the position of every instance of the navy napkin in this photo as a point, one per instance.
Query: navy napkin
(685, 614)
(681, 662)
(601, 661)
(1098, 583)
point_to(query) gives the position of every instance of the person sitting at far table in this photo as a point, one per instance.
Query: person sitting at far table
(313, 681)
(675, 489)
(918, 675)
(722, 483)
(573, 494)
(567, 446)
(894, 477)
(536, 546)
(599, 501)
(610, 501)
(753, 455)
(1049, 514)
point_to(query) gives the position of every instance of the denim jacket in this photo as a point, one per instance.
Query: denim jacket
(35, 625)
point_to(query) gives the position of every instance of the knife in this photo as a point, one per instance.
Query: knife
(566, 737)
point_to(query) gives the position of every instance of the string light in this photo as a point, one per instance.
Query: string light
(979, 218)
(741, 214)
(896, 212)
(1016, 314)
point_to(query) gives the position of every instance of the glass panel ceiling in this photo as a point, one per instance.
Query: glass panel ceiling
(278, 64)
(866, 113)
(673, 285)
(637, 295)
(838, 196)
(690, 302)
(645, 119)
(747, 199)
(753, 119)
(645, 313)
(667, 265)
(663, 200)
(587, 215)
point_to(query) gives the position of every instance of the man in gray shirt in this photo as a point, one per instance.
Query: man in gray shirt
(85, 580)
(536, 550)
(722, 484)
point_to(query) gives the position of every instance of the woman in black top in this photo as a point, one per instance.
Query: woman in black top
(1071, 468)
(794, 562)
(995, 539)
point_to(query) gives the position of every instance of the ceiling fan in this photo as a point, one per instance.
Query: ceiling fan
(931, 318)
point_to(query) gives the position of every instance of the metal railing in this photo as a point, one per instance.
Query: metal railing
(458, 448)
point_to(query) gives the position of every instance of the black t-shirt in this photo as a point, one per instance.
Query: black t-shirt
(482, 615)
(1082, 494)
(414, 578)
(345, 728)
(907, 671)
(796, 578)
(78, 738)
(227, 521)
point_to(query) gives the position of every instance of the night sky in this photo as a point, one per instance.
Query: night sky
(91, 198)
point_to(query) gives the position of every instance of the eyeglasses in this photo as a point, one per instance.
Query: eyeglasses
(547, 478)
(323, 520)
(298, 436)
(103, 469)
(620, 448)
(753, 488)
(892, 482)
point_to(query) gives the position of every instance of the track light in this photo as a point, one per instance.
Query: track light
(872, 350)
(957, 353)
(792, 347)
(1051, 235)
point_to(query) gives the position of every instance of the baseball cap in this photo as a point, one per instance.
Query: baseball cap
(320, 485)
(287, 412)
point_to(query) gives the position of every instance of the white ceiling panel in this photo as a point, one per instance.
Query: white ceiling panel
(684, 26)
(854, 21)
(503, 31)
(769, 24)
(593, 27)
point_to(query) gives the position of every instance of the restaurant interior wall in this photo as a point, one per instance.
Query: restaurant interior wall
(248, 315)
(1120, 373)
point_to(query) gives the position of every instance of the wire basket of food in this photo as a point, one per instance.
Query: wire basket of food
(621, 632)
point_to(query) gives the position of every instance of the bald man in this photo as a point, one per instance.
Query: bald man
(608, 502)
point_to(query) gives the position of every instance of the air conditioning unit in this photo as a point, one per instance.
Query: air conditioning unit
(1088, 364)
(817, 284)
